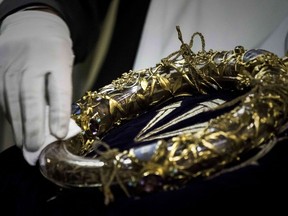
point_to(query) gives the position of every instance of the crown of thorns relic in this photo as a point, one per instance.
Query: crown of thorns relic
(258, 117)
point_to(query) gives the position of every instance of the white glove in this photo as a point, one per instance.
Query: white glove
(36, 60)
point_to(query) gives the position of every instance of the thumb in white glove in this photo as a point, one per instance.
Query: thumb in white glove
(36, 60)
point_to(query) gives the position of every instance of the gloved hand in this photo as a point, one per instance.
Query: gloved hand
(36, 61)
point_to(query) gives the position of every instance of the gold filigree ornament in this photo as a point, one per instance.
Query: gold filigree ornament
(254, 124)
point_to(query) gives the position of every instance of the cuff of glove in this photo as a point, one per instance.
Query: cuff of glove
(32, 157)
(41, 8)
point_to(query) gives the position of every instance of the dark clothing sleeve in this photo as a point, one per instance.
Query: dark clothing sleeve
(83, 17)
(10, 6)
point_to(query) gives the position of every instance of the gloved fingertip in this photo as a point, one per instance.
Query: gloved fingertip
(32, 145)
(31, 148)
(18, 143)
(18, 140)
(59, 130)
